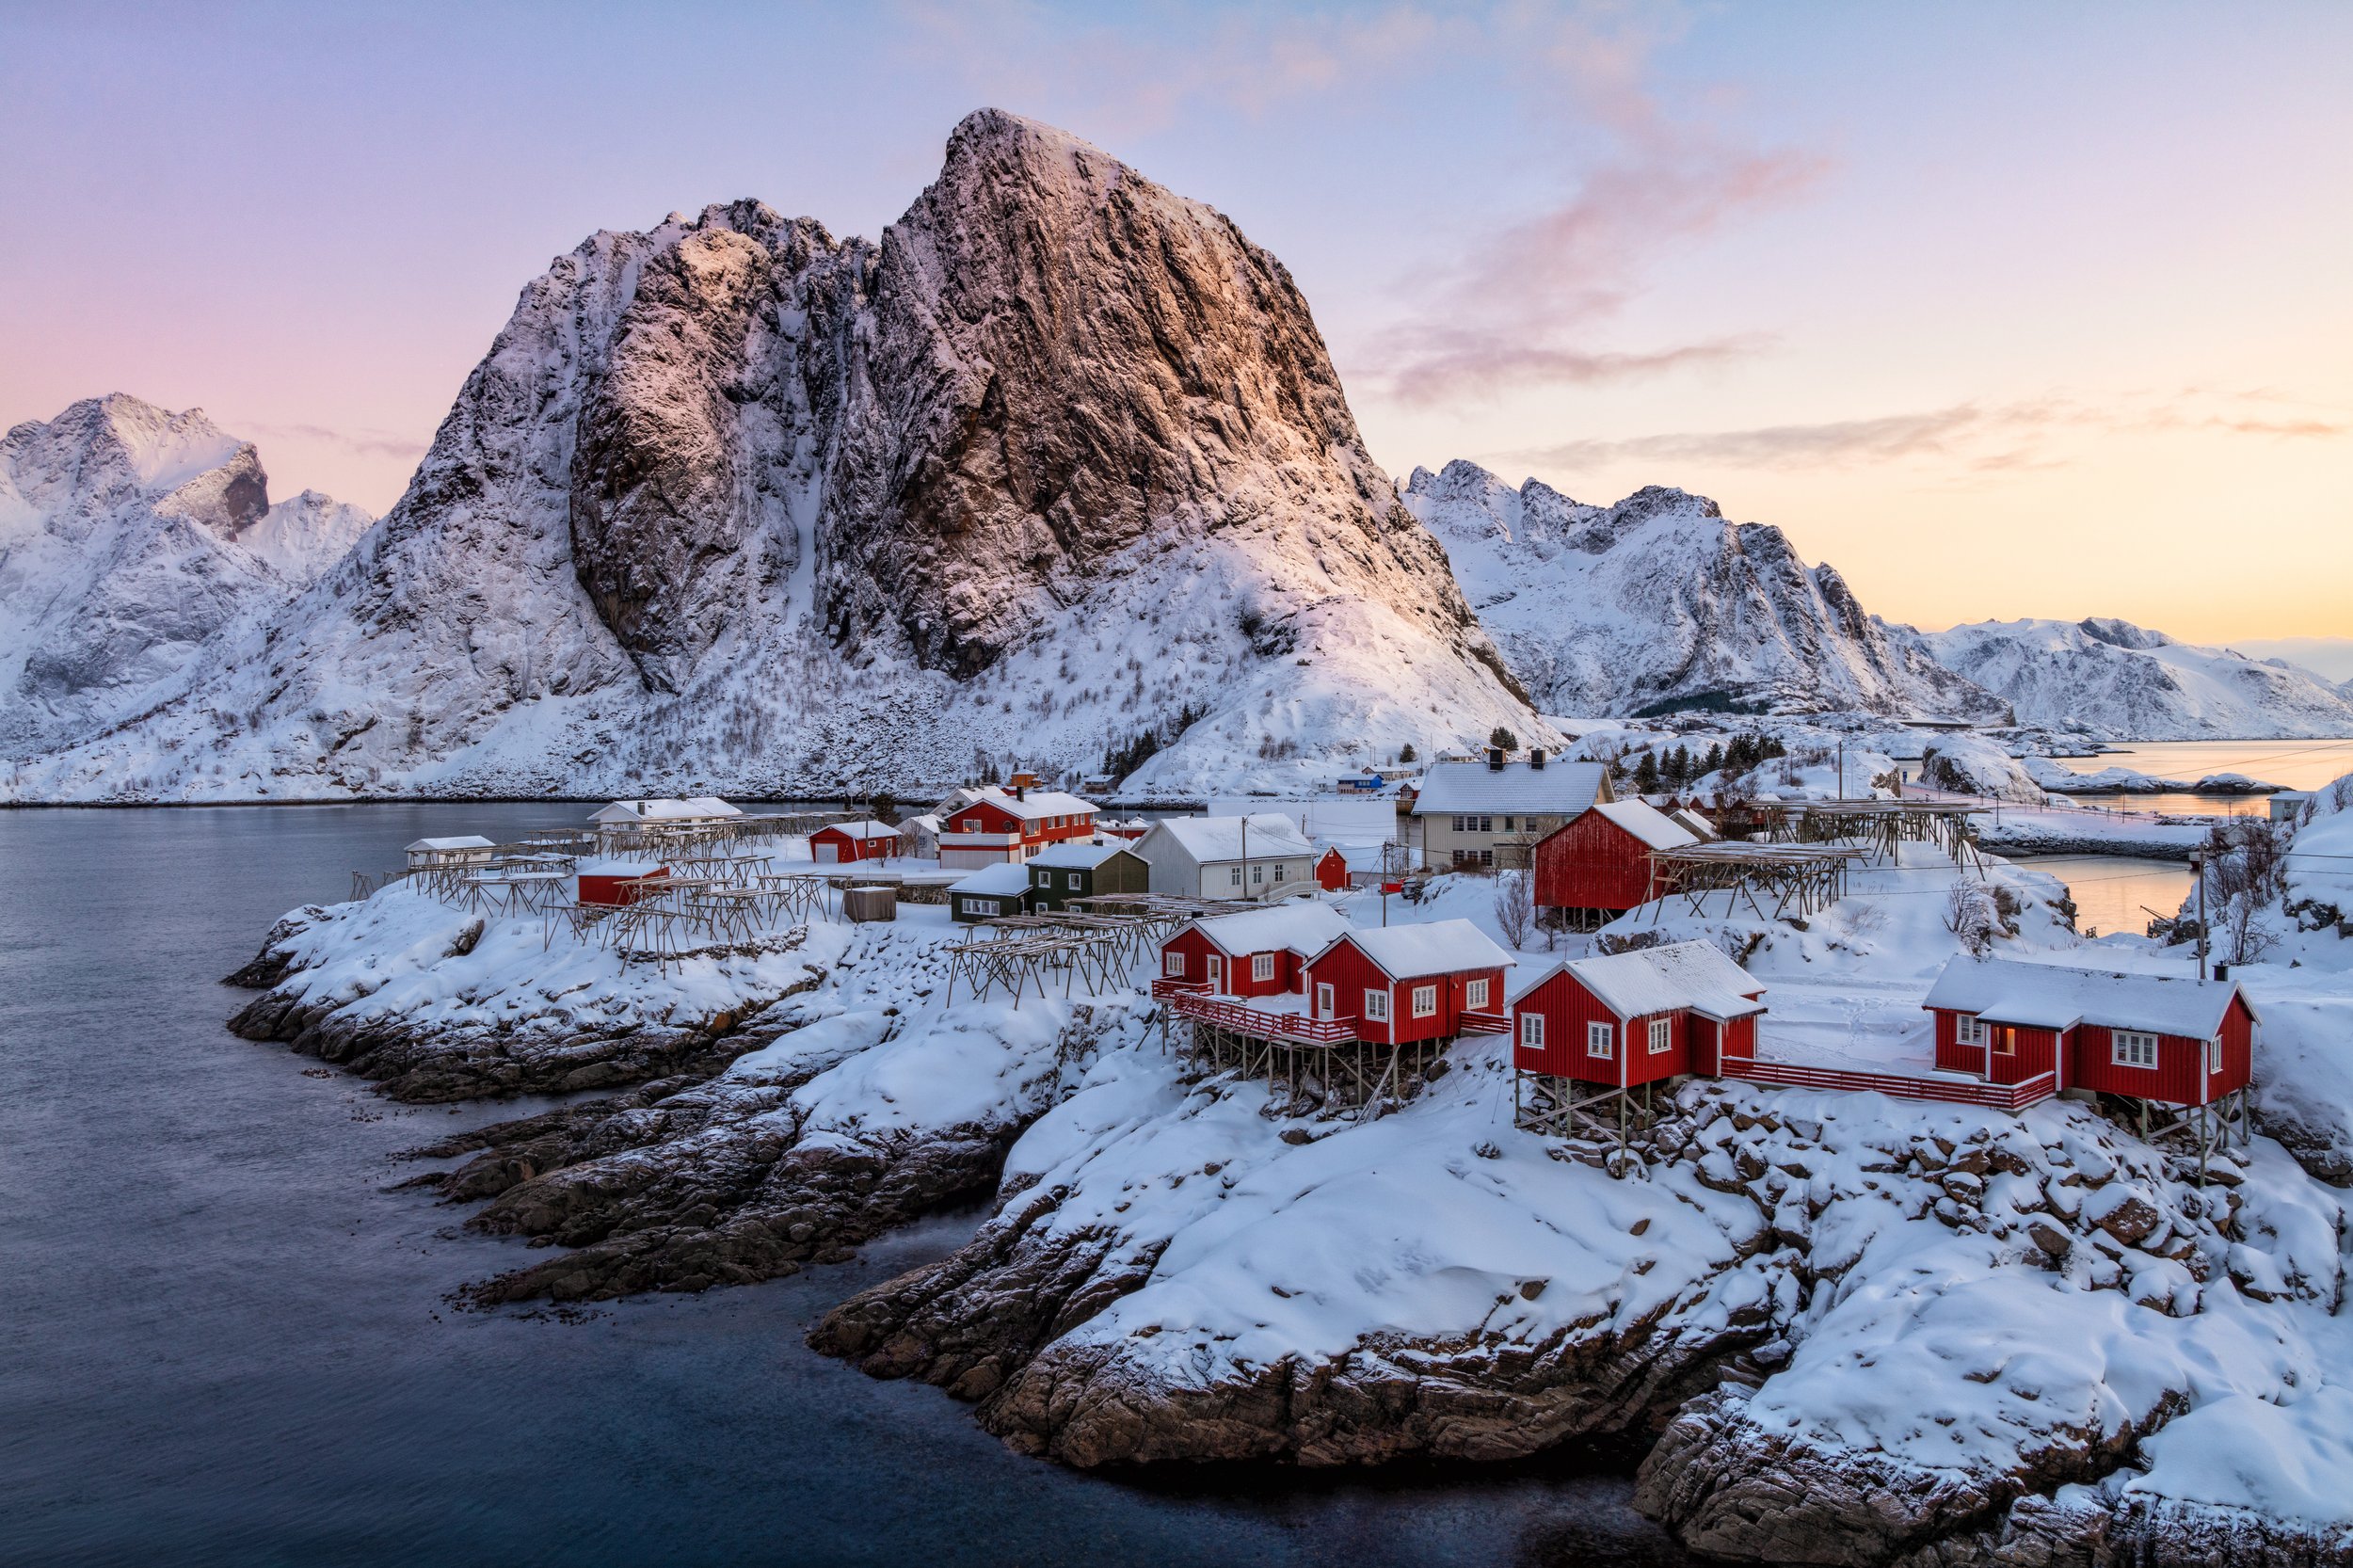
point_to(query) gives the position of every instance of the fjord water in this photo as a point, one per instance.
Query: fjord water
(225, 1342)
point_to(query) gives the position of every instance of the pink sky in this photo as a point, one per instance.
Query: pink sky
(2005, 310)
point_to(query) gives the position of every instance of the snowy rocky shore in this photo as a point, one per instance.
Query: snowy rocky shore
(1817, 1327)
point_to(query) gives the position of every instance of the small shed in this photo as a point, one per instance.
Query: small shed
(1599, 862)
(1061, 873)
(1002, 888)
(607, 880)
(440, 854)
(1630, 1018)
(1332, 869)
(846, 841)
(1407, 983)
(2159, 1039)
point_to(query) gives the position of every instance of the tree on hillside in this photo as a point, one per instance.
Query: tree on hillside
(1407, 754)
(1646, 776)
(1499, 736)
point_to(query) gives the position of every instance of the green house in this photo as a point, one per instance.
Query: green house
(1061, 873)
(993, 890)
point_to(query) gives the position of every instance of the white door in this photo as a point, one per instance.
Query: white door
(1324, 1001)
(1217, 973)
(827, 855)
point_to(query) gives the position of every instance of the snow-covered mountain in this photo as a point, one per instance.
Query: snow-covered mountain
(734, 504)
(128, 536)
(1658, 602)
(2110, 679)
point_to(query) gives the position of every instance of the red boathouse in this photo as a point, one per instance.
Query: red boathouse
(1256, 952)
(1596, 865)
(846, 841)
(2154, 1038)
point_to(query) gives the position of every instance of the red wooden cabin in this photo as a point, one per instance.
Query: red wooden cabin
(1256, 952)
(2150, 1037)
(1599, 860)
(1403, 983)
(1638, 1018)
(613, 882)
(844, 842)
(1331, 870)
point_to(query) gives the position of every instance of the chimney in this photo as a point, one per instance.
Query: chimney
(1495, 758)
(1536, 757)
(1020, 792)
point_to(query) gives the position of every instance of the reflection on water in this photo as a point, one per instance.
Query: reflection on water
(226, 1342)
(2114, 894)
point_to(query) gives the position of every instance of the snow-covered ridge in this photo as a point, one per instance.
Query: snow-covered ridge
(1658, 602)
(2110, 679)
(129, 535)
(733, 504)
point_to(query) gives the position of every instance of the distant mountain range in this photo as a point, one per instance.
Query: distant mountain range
(1056, 472)
(129, 536)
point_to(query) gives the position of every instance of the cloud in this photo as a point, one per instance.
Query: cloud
(1983, 437)
(359, 444)
(1525, 303)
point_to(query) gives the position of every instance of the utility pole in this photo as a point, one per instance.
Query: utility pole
(2197, 864)
(1842, 767)
(1245, 854)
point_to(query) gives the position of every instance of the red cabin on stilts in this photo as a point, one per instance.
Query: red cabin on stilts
(2154, 1038)
(1630, 1018)
(1597, 865)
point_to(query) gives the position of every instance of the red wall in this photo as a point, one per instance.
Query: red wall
(847, 849)
(1951, 1055)
(2180, 1077)
(1332, 871)
(608, 889)
(1567, 1007)
(1351, 974)
(2037, 1052)
(1235, 980)
(1590, 862)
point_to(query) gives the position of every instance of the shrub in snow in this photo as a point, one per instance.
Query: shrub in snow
(1972, 914)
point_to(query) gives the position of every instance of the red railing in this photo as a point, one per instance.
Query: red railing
(1260, 1023)
(1999, 1097)
(1483, 1023)
(1165, 986)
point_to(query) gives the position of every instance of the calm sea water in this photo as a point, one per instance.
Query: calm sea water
(222, 1340)
(2291, 764)
(2114, 892)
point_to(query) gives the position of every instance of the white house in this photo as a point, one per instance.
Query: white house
(1261, 856)
(627, 816)
(1492, 813)
(920, 836)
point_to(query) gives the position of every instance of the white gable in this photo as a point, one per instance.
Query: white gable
(1648, 824)
(1649, 981)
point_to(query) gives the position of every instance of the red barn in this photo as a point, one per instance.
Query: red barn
(1637, 1017)
(1599, 860)
(1404, 984)
(1257, 952)
(853, 841)
(1331, 870)
(2150, 1037)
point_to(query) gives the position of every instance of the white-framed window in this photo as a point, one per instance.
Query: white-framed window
(1601, 1041)
(1474, 992)
(1262, 965)
(1257, 873)
(1236, 876)
(1662, 1036)
(1532, 1031)
(1282, 869)
(2214, 1054)
(2133, 1047)
(1172, 964)
(1425, 1001)
(1506, 824)
(970, 824)
(1070, 879)
(1458, 827)
(1969, 1030)
(985, 907)
(1377, 1006)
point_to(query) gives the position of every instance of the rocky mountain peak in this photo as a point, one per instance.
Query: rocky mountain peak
(2122, 634)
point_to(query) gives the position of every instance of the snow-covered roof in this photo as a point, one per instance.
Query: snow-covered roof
(1700, 826)
(1435, 947)
(1356, 858)
(1001, 880)
(469, 840)
(1557, 789)
(1033, 804)
(1301, 925)
(1076, 855)
(927, 822)
(1271, 837)
(665, 810)
(1648, 824)
(2047, 995)
(1636, 985)
(860, 829)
